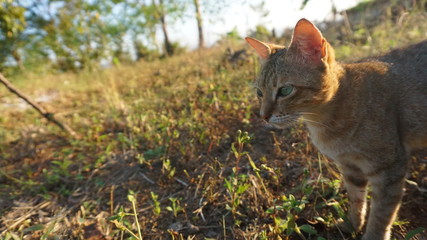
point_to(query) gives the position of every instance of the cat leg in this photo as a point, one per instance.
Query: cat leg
(356, 191)
(355, 183)
(387, 192)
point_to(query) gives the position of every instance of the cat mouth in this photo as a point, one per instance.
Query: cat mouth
(281, 121)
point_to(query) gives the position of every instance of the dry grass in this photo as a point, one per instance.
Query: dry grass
(163, 154)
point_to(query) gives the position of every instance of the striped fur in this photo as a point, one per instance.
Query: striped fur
(367, 117)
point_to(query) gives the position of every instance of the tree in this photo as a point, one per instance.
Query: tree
(161, 15)
(205, 7)
(150, 15)
(157, 14)
(12, 24)
(78, 35)
(199, 23)
(75, 34)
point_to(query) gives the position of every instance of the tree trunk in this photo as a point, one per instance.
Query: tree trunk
(17, 57)
(162, 15)
(199, 24)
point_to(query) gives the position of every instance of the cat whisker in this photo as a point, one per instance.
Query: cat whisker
(309, 120)
(307, 113)
(316, 122)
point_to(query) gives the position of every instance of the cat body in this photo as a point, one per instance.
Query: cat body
(367, 116)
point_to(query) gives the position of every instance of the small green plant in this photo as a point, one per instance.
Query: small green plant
(122, 223)
(58, 177)
(61, 167)
(168, 169)
(175, 208)
(291, 207)
(156, 204)
(241, 140)
(414, 232)
(132, 199)
(236, 186)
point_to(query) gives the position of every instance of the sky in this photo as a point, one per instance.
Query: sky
(282, 14)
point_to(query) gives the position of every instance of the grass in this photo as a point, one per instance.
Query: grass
(172, 149)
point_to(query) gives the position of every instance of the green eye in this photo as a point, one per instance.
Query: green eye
(285, 91)
(259, 92)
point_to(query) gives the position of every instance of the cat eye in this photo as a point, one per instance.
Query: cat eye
(285, 91)
(259, 92)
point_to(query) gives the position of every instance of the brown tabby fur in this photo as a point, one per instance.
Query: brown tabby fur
(366, 116)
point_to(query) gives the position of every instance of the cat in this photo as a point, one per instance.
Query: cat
(366, 116)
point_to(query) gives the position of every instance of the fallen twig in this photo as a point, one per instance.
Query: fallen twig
(48, 115)
(146, 178)
(181, 182)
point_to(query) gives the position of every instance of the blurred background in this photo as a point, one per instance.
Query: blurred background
(37, 35)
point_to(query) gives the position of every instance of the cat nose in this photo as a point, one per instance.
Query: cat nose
(265, 117)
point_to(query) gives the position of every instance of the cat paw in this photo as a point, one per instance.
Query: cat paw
(365, 237)
(344, 226)
(376, 236)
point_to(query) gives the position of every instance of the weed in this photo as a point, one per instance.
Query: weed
(167, 169)
(236, 186)
(291, 207)
(156, 204)
(241, 140)
(132, 199)
(175, 207)
(122, 223)
(414, 232)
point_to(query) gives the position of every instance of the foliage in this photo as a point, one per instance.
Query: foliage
(261, 33)
(12, 23)
(175, 208)
(82, 34)
(72, 35)
(59, 35)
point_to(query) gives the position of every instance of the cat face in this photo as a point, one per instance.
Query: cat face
(295, 80)
(288, 90)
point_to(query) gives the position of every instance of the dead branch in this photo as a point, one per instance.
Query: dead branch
(48, 115)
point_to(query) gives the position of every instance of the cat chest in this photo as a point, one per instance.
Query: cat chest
(334, 147)
(344, 154)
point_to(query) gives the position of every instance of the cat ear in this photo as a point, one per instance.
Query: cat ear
(308, 42)
(263, 49)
